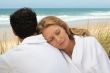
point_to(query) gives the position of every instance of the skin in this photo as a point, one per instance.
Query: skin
(57, 37)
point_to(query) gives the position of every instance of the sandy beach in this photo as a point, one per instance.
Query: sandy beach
(98, 27)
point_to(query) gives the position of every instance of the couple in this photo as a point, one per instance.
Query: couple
(34, 55)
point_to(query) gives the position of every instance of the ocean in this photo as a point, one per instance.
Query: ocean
(67, 14)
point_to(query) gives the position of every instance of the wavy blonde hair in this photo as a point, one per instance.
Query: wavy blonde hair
(52, 20)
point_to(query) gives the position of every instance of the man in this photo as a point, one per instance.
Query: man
(34, 54)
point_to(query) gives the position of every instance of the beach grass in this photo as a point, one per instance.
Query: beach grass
(102, 33)
(6, 45)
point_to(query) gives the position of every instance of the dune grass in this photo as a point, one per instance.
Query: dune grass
(6, 45)
(102, 33)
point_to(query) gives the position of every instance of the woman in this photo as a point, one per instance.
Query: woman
(86, 52)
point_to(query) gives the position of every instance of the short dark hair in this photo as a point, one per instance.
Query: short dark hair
(24, 22)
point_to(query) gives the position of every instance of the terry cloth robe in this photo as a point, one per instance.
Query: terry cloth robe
(89, 56)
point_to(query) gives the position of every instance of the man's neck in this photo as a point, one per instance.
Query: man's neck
(20, 39)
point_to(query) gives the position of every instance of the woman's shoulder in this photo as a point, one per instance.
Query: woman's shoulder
(87, 38)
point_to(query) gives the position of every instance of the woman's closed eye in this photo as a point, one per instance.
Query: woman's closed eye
(57, 32)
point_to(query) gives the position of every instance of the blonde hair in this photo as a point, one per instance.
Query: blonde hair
(52, 20)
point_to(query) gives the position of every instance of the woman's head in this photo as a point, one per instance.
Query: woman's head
(55, 31)
(52, 20)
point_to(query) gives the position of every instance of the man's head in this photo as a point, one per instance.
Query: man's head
(23, 22)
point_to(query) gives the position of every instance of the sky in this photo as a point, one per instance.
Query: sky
(55, 3)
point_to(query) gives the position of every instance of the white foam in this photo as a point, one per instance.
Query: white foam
(4, 20)
(100, 13)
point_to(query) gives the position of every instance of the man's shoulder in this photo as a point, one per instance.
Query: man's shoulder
(10, 52)
(24, 50)
(35, 56)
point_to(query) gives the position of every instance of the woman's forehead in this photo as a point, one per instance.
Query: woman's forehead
(52, 28)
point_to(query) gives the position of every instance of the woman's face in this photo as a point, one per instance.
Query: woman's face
(56, 36)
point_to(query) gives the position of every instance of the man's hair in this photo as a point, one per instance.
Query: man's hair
(24, 22)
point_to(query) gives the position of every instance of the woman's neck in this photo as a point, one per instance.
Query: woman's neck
(69, 49)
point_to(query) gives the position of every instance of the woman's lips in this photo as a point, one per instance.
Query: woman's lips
(62, 42)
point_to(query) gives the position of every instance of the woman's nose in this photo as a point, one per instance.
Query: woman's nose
(57, 38)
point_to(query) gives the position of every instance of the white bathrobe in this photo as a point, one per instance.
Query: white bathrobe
(89, 56)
